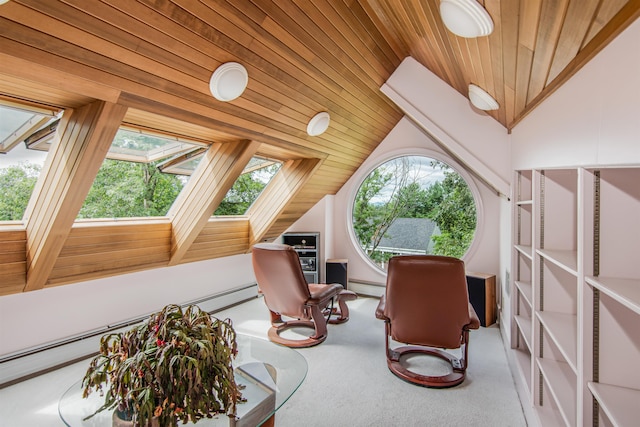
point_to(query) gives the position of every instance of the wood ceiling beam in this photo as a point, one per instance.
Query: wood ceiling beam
(219, 168)
(79, 148)
(42, 83)
(277, 195)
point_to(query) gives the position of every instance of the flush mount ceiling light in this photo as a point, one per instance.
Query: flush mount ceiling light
(318, 124)
(466, 18)
(228, 81)
(481, 99)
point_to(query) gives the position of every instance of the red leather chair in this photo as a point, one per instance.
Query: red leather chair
(286, 293)
(426, 306)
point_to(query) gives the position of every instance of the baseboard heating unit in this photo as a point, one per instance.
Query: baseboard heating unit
(25, 364)
(364, 287)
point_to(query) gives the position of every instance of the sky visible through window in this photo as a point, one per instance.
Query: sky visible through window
(421, 172)
(413, 205)
(11, 120)
(20, 154)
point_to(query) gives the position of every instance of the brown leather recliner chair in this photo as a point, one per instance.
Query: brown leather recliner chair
(286, 293)
(426, 305)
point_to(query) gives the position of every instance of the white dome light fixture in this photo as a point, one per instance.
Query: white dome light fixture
(318, 124)
(466, 18)
(481, 99)
(228, 81)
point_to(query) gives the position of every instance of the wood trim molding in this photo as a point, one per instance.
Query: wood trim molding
(278, 194)
(219, 168)
(78, 150)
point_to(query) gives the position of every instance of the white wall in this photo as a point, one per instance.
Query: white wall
(34, 318)
(473, 137)
(405, 138)
(593, 119)
(434, 112)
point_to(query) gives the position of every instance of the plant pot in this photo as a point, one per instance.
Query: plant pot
(119, 421)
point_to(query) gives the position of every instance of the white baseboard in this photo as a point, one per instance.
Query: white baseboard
(362, 287)
(520, 384)
(34, 361)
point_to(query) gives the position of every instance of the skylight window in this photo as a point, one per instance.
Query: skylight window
(131, 145)
(183, 164)
(19, 167)
(130, 183)
(253, 180)
(12, 121)
(18, 123)
(137, 146)
(141, 176)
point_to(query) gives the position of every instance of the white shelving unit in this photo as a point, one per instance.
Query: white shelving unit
(522, 297)
(576, 293)
(614, 287)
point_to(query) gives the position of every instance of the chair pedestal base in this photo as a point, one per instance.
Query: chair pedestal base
(318, 322)
(275, 331)
(342, 311)
(450, 380)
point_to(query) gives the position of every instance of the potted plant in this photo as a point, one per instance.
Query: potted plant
(175, 366)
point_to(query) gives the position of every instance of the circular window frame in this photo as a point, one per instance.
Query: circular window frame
(416, 152)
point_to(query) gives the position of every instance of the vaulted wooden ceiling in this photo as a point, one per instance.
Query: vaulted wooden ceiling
(154, 58)
(535, 47)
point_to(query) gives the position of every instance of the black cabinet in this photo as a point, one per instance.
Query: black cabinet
(307, 245)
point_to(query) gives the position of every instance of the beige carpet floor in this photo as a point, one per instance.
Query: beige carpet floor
(347, 384)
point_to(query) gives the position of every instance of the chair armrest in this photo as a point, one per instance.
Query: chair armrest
(321, 293)
(380, 308)
(473, 317)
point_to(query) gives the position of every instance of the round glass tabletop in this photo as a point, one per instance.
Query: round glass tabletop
(269, 372)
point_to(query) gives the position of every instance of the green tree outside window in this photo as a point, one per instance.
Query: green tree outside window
(16, 185)
(124, 189)
(409, 198)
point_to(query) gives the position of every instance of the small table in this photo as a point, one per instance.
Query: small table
(271, 374)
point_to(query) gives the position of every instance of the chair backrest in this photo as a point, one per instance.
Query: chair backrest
(427, 300)
(281, 279)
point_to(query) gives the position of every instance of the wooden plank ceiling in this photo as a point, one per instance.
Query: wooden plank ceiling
(535, 47)
(155, 57)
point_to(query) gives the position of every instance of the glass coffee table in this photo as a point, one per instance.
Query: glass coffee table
(270, 373)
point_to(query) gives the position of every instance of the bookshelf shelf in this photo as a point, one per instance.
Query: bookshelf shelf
(576, 293)
(620, 404)
(562, 383)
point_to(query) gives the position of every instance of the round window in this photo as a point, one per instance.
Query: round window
(413, 205)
